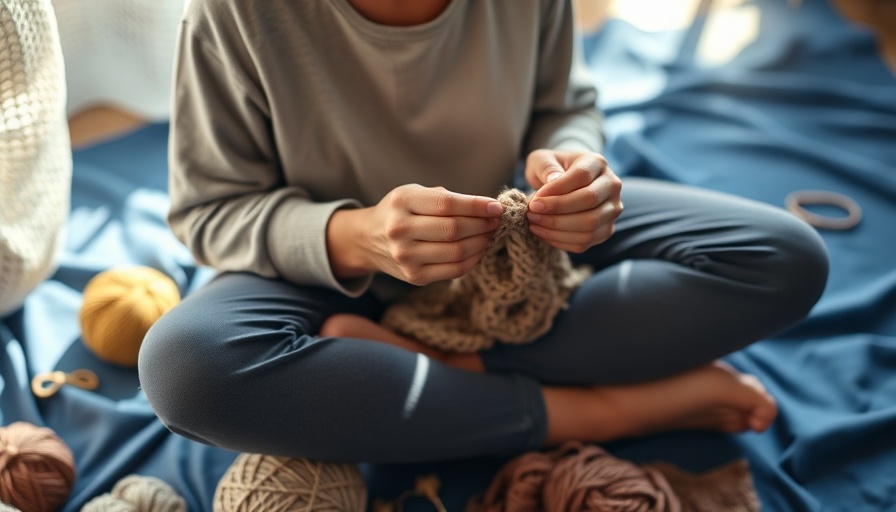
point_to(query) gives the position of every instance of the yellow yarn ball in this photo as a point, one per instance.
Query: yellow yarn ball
(119, 306)
(259, 483)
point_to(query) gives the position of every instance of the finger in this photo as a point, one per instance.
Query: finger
(573, 248)
(448, 229)
(579, 239)
(443, 271)
(444, 203)
(542, 166)
(590, 196)
(563, 237)
(426, 253)
(583, 170)
(583, 246)
(587, 221)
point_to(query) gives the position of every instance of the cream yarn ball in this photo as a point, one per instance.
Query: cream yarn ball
(136, 493)
(257, 483)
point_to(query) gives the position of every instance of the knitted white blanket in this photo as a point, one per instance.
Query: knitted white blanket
(35, 156)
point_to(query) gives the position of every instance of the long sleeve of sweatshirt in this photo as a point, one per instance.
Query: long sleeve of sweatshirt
(286, 111)
(564, 113)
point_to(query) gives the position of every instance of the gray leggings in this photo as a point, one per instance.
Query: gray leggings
(689, 276)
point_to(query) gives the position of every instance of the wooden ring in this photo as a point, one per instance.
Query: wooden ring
(796, 201)
(45, 385)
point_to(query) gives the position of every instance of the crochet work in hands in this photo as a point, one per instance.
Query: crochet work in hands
(511, 296)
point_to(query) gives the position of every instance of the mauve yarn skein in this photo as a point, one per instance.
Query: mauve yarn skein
(37, 469)
(575, 478)
(588, 479)
(260, 483)
(517, 487)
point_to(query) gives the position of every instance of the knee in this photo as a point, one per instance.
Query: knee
(178, 370)
(218, 382)
(800, 269)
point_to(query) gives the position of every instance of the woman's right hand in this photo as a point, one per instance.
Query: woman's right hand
(417, 234)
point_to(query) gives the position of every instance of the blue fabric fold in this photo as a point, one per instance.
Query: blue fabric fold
(119, 202)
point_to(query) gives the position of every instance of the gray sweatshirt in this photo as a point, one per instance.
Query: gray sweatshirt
(286, 110)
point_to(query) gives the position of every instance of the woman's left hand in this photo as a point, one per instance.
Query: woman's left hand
(576, 200)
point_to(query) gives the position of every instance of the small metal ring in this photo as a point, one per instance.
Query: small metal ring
(796, 201)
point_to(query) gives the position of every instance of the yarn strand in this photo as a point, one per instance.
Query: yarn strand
(511, 296)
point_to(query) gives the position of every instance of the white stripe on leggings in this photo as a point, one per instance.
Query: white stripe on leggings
(625, 271)
(420, 373)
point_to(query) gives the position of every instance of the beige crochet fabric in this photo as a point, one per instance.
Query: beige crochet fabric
(511, 296)
(35, 157)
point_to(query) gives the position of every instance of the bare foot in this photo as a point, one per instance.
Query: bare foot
(714, 397)
(354, 326)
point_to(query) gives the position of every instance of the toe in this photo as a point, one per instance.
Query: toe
(764, 415)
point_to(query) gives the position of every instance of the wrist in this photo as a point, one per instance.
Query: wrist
(346, 244)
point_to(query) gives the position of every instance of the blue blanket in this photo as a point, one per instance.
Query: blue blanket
(117, 218)
(809, 105)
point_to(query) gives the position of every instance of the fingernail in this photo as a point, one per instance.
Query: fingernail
(533, 217)
(553, 176)
(537, 206)
(494, 208)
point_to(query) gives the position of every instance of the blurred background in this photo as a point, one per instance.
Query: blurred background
(118, 52)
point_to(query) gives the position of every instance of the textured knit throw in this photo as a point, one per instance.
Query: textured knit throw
(35, 154)
(511, 296)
